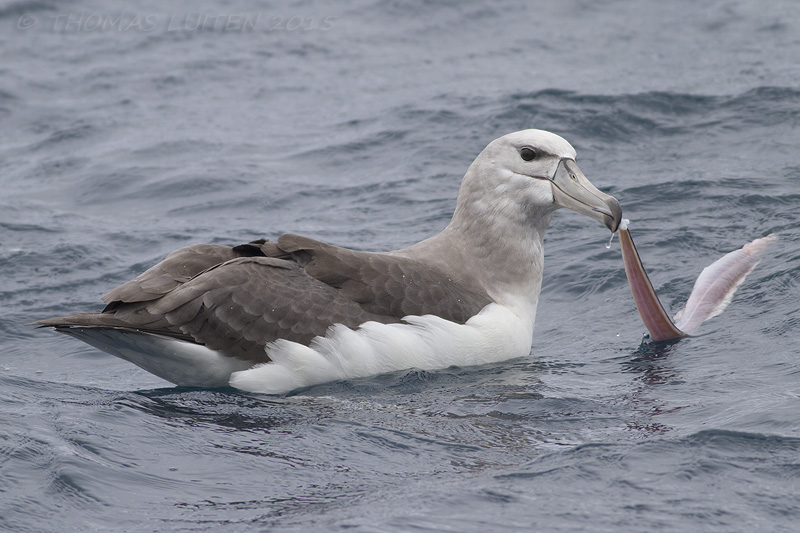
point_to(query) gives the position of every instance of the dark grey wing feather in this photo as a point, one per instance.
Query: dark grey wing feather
(177, 268)
(237, 300)
(237, 308)
(386, 284)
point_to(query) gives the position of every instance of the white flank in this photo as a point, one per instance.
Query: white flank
(426, 342)
(717, 283)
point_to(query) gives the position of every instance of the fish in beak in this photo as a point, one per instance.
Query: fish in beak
(712, 291)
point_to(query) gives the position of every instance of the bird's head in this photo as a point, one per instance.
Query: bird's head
(534, 171)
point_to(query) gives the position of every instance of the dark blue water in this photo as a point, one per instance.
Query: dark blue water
(129, 131)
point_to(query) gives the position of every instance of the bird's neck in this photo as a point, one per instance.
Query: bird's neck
(507, 244)
(499, 249)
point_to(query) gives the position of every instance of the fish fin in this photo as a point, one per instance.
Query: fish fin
(714, 289)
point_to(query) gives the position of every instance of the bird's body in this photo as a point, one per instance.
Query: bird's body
(272, 317)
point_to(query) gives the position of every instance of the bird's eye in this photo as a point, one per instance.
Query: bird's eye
(527, 154)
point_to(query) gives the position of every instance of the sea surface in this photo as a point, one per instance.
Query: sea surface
(129, 129)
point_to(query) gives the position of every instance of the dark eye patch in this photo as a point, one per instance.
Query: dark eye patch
(527, 154)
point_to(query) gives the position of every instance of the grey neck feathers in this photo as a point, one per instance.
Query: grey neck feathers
(493, 244)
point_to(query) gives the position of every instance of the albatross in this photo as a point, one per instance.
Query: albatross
(272, 317)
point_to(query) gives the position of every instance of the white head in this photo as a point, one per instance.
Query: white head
(526, 175)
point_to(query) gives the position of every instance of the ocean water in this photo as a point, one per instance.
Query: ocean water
(129, 130)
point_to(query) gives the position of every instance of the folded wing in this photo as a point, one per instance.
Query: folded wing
(237, 300)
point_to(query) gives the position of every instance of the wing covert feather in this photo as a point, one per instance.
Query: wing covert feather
(243, 304)
(178, 267)
(387, 284)
(237, 300)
